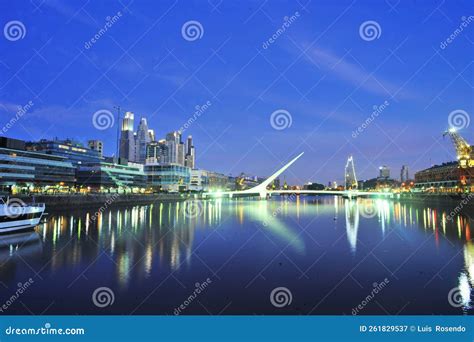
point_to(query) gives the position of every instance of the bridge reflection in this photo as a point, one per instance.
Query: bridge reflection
(141, 239)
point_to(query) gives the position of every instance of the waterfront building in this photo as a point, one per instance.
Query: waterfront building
(73, 151)
(96, 145)
(141, 141)
(404, 176)
(170, 177)
(127, 138)
(109, 176)
(203, 180)
(21, 169)
(384, 172)
(446, 175)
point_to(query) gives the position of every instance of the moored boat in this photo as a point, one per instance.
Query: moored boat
(16, 215)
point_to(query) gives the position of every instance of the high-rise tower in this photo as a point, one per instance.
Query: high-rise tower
(142, 139)
(189, 159)
(404, 174)
(127, 139)
(175, 148)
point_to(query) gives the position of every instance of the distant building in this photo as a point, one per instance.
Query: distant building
(157, 152)
(313, 186)
(96, 145)
(189, 159)
(127, 138)
(142, 139)
(151, 134)
(404, 176)
(384, 172)
(173, 142)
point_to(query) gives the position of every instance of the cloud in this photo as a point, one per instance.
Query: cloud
(353, 73)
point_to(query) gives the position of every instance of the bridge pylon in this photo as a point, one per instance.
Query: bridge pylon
(350, 179)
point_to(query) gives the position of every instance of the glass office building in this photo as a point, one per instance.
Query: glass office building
(25, 169)
(74, 151)
(170, 177)
(111, 177)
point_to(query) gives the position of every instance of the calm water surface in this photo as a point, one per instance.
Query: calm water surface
(328, 252)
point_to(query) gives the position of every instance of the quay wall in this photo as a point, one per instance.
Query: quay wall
(96, 200)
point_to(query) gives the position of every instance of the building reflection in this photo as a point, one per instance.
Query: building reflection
(144, 240)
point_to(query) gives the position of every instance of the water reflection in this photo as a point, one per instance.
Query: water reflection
(352, 222)
(139, 244)
(163, 234)
(17, 247)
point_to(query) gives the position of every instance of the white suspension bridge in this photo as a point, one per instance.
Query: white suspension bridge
(262, 191)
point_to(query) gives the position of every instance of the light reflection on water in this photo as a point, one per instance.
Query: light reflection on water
(142, 244)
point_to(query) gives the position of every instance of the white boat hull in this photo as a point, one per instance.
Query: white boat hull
(20, 218)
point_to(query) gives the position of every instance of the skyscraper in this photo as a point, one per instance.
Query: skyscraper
(384, 172)
(151, 134)
(189, 159)
(175, 148)
(157, 152)
(404, 176)
(141, 141)
(127, 139)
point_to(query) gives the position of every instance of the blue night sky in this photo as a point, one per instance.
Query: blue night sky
(319, 70)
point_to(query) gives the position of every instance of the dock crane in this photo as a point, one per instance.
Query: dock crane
(464, 154)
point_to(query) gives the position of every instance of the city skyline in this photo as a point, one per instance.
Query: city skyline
(329, 91)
